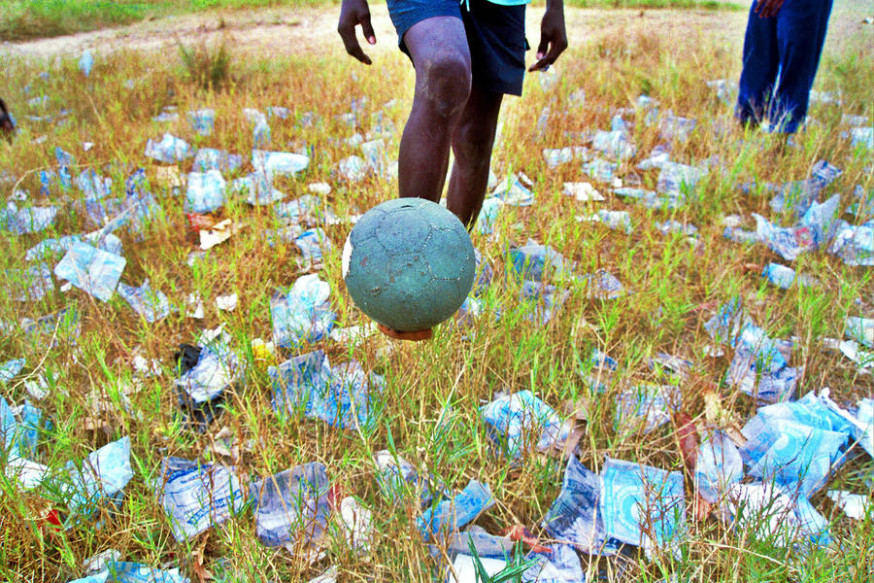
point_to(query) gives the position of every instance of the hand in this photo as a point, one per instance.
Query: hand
(553, 37)
(353, 13)
(414, 336)
(768, 8)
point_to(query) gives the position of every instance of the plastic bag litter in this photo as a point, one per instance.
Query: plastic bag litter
(86, 62)
(854, 244)
(679, 179)
(642, 505)
(151, 305)
(672, 226)
(856, 506)
(291, 506)
(397, 478)
(574, 517)
(102, 476)
(514, 191)
(169, 150)
(862, 138)
(279, 163)
(217, 369)
(602, 285)
(303, 314)
(815, 230)
(521, 423)
(614, 144)
(340, 395)
(719, 465)
(658, 158)
(582, 192)
(10, 369)
(542, 300)
(197, 496)
(555, 157)
(773, 515)
(644, 408)
(258, 188)
(534, 261)
(352, 168)
(27, 220)
(206, 191)
(488, 215)
(34, 282)
(126, 572)
(798, 196)
(794, 455)
(374, 155)
(202, 121)
(313, 245)
(208, 159)
(861, 330)
(600, 170)
(453, 514)
(674, 127)
(92, 270)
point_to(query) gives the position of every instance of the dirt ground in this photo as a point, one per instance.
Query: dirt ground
(313, 30)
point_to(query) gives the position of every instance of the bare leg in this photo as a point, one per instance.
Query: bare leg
(472, 143)
(440, 54)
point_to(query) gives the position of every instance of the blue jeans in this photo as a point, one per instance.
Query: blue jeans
(780, 58)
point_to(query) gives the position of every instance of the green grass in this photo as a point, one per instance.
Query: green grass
(429, 410)
(658, 4)
(27, 19)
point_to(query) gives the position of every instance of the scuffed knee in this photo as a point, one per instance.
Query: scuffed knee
(444, 81)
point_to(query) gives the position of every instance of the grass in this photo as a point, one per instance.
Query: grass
(428, 412)
(28, 19)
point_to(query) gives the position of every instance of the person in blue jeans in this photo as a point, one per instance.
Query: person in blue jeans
(467, 55)
(782, 47)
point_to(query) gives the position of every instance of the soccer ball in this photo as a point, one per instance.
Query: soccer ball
(408, 264)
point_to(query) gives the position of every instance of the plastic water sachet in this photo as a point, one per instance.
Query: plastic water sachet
(450, 515)
(202, 121)
(302, 314)
(533, 261)
(152, 305)
(281, 163)
(575, 517)
(103, 475)
(719, 465)
(197, 496)
(169, 150)
(208, 159)
(291, 506)
(521, 422)
(642, 505)
(206, 191)
(92, 270)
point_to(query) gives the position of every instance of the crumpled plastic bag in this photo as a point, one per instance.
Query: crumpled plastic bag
(522, 422)
(451, 515)
(291, 506)
(169, 150)
(92, 270)
(302, 314)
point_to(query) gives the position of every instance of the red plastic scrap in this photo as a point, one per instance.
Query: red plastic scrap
(517, 533)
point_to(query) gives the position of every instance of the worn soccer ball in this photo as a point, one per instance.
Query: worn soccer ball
(408, 264)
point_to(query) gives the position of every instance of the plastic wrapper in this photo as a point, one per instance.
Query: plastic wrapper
(202, 121)
(533, 261)
(397, 478)
(169, 150)
(861, 330)
(27, 220)
(302, 314)
(450, 515)
(854, 244)
(102, 476)
(313, 245)
(644, 408)
(34, 281)
(718, 466)
(197, 496)
(208, 159)
(642, 505)
(86, 62)
(205, 192)
(773, 515)
(676, 178)
(339, 395)
(600, 170)
(92, 270)
(292, 506)
(574, 517)
(279, 163)
(152, 305)
(514, 191)
(522, 422)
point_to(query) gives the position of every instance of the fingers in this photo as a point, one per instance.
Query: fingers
(416, 336)
(548, 52)
(346, 29)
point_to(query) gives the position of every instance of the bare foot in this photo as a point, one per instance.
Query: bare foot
(414, 336)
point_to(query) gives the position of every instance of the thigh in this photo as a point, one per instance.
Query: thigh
(407, 13)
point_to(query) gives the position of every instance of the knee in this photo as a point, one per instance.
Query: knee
(444, 81)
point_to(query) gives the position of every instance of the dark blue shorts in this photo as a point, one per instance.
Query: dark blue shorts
(495, 36)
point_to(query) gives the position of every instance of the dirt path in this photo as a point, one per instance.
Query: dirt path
(313, 30)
